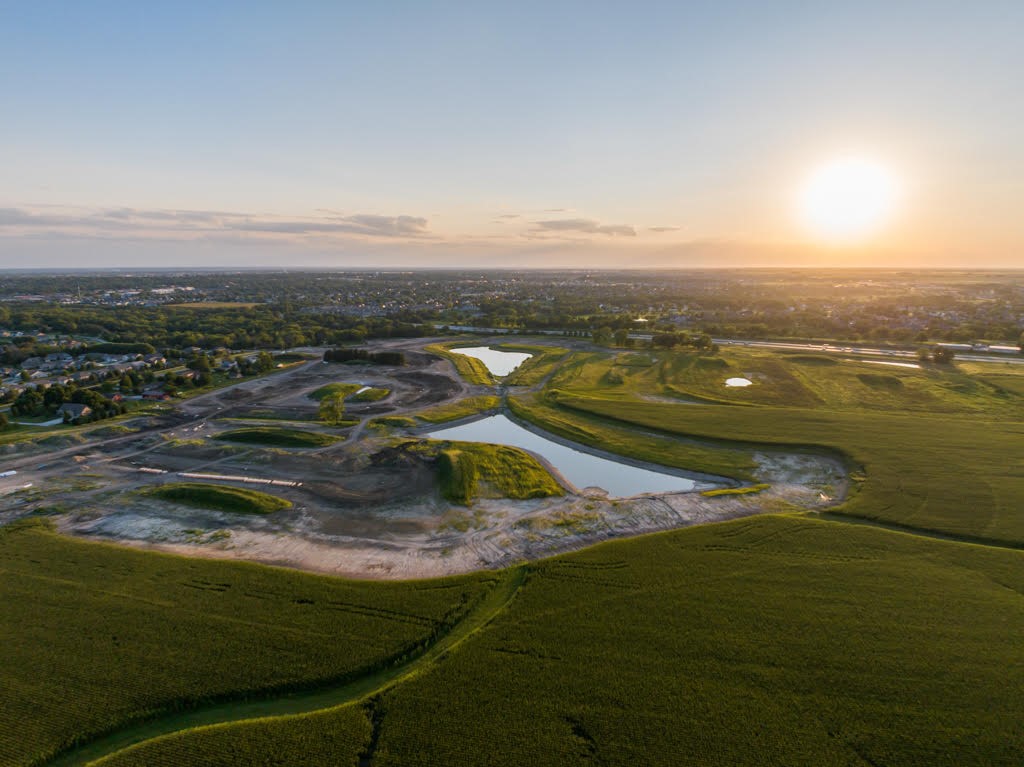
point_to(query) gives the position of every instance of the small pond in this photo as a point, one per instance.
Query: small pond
(738, 382)
(499, 363)
(620, 480)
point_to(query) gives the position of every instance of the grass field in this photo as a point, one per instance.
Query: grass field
(779, 639)
(769, 640)
(278, 437)
(220, 497)
(471, 369)
(463, 408)
(93, 636)
(799, 380)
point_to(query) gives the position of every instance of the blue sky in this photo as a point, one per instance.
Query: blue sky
(557, 133)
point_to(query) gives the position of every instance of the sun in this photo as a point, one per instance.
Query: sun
(847, 200)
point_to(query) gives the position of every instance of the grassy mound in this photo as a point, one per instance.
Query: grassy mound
(468, 470)
(332, 389)
(372, 394)
(394, 421)
(272, 435)
(220, 497)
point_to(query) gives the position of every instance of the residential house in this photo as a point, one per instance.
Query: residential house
(73, 410)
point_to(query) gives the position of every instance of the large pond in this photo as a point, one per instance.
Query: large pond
(620, 480)
(498, 362)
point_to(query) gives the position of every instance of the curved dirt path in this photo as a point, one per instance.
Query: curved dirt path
(179, 724)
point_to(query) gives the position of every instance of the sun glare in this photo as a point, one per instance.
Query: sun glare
(848, 200)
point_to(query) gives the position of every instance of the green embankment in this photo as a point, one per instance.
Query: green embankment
(768, 640)
(535, 369)
(278, 437)
(462, 408)
(470, 368)
(719, 458)
(220, 497)
(94, 636)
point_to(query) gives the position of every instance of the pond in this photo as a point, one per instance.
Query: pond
(582, 469)
(738, 382)
(499, 363)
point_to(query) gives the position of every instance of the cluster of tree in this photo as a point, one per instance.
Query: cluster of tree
(332, 409)
(47, 401)
(262, 364)
(120, 348)
(244, 327)
(941, 355)
(700, 341)
(346, 354)
(20, 348)
(605, 336)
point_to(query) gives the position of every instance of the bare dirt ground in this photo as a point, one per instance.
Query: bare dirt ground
(363, 509)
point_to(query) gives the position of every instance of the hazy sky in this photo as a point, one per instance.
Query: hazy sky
(517, 133)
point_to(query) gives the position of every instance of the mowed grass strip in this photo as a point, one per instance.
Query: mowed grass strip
(333, 737)
(220, 497)
(278, 437)
(95, 635)
(462, 408)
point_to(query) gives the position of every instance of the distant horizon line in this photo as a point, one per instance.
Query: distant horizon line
(572, 269)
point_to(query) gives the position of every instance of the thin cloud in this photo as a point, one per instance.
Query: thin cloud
(185, 222)
(584, 226)
(663, 229)
(372, 226)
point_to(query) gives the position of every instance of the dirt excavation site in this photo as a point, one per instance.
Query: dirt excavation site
(364, 501)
